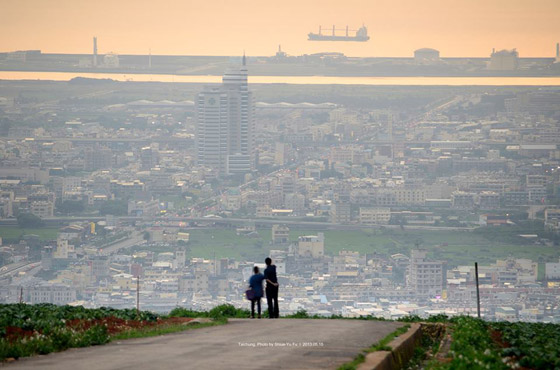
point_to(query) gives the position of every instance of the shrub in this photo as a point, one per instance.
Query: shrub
(228, 310)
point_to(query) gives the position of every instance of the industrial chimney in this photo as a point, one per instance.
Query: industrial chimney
(94, 51)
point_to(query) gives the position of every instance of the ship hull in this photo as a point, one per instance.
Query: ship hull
(317, 37)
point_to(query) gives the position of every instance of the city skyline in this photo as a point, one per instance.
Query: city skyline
(467, 28)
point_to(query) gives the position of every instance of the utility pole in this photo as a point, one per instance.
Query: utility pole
(138, 295)
(20, 294)
(477, 290)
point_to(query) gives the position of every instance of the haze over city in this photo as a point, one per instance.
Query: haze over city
(237, 172)
(459, 28)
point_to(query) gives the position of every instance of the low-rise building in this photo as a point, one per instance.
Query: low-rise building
(425, 277)
(375, 216)
(280, 234)
(311, 246)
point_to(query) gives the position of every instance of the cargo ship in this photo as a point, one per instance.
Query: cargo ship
(359, 35)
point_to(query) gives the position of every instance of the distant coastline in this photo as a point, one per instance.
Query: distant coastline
(323, 64)
(89, 77)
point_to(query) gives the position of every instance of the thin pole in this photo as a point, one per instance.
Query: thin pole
(138, 294)
(477, 290)
(21, 295)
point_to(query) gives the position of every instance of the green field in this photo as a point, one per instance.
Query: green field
(457, 247)
(11, 234)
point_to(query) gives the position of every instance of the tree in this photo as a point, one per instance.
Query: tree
(28, 220)
(35, 247)
(114, 207)
(325, 174)
(5, 125)
(71, 206)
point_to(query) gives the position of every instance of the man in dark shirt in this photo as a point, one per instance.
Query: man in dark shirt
(271, 289)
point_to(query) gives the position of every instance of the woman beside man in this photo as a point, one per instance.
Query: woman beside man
(255, 283)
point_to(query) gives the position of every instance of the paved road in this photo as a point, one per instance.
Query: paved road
(171, 221)
(134, 239)
(241, 344)
(14, 268)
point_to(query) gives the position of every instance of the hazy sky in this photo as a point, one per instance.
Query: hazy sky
(227, 27)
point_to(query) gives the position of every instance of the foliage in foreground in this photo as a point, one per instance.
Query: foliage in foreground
(472, 347)
(432, 335)
(533, 345)
(57, 339)
(26, 330)
(218, 312)
(45, 316)
(477, 344)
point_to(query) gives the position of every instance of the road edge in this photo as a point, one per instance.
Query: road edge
(402, 351)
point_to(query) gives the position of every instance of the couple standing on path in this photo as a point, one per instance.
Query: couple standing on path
(255, 282)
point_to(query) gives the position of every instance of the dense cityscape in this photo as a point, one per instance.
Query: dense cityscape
(372, 201)
(212, 184)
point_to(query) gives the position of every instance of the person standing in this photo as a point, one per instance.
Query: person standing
(255, 282)
(271, 289)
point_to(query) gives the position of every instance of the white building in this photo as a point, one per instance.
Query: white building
(504, 60)
(111, 60)
(63, 249)
(311, 246)
(143, 208)
(552, 270)
(42, 209)
(552, 219)
(426, 55)
(225, 124)
(425, 277)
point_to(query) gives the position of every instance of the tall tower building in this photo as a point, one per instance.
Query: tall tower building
(225, 124)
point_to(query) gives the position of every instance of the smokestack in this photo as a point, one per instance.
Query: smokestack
(558, 51)
(95, 51)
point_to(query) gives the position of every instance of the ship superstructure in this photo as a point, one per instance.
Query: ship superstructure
(359, 35)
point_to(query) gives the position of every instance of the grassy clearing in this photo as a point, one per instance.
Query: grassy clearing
(14, 233)
(457, 247)
(225, 243)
